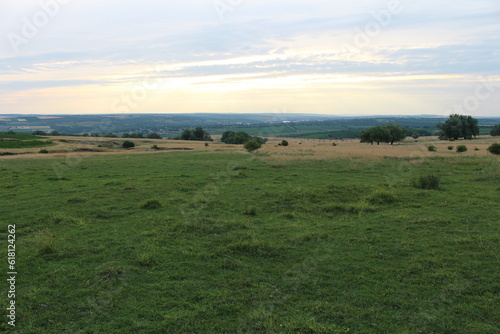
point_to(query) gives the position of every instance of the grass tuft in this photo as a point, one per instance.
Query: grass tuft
(151, 204)
(426, 182)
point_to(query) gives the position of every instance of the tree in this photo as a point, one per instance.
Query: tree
(415, 135)
(284, 143)
(252, 145)
(396, 133)
(240, 137)
(110, 135)
(154, 135)
(387, 134)
(458, 126)
(494, 148)
(196, 134)
(39, 133)
(128, 144)
(495, 131)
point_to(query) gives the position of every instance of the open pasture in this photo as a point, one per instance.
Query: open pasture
(309, 238)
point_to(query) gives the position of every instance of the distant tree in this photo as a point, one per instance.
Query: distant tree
(110, 135)
(495, 131)
(494, 148)
(197, 133)
(154, 135)
(415, 135)
(387, 134)
(458, 126)
(128, 144)
(240, 137)
(132, 135)
(396, 133)
(284, 143)
(39, 133)
(252, 145)
(55, 133)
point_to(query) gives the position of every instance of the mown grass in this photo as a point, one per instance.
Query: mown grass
(182, 243)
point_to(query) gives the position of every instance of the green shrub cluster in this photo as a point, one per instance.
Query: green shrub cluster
(494, 148)
(430, 181)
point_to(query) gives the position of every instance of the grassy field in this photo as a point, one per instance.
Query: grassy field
(24, 144)
(304, 239)
(18, 136)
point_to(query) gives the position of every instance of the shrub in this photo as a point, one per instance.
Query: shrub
(252, 145)
(155, 147)
(206, 144)
(333, 144)
(432, 148)
(151, 204)
(494, 148)
(43, 151)
(284, 143)
(430, 181)
(128, 144)
(461, 148)
(451, 147)
(476, 149)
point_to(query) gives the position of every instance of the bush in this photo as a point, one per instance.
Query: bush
(155, 147)
(43, 151)
(252, 145)
(451, 148)
(494, 148)
(284, 143)
(427, 182)
(206, 144)
(476, 149)
(461, 148)
(432, 148)
(128, 144)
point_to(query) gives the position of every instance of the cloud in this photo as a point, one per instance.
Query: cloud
(107, 47)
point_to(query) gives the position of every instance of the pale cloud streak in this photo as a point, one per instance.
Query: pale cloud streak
(262, 56)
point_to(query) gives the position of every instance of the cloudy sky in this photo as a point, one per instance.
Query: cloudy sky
(238, 56)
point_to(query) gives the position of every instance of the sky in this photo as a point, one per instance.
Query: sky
(396, 57)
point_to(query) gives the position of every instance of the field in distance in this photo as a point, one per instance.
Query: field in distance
(299, 147)
(307, 238)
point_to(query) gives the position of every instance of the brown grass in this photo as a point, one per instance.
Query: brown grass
(299, 149)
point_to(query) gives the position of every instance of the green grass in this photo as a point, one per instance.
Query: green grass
(19, 136)
(181, 243)
(24, 144)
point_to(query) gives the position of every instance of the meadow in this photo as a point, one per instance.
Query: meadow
(308, 238)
